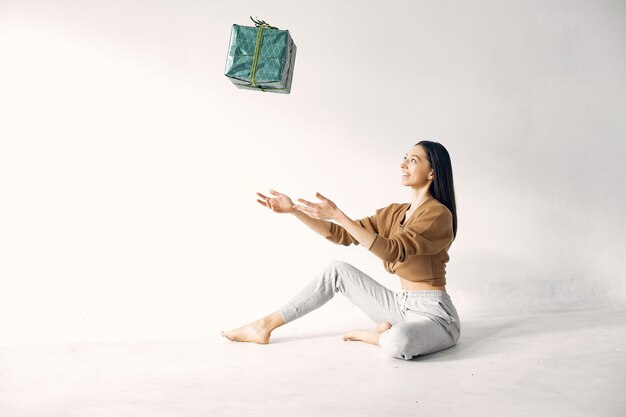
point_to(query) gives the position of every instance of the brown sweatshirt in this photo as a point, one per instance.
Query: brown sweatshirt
(416, 250)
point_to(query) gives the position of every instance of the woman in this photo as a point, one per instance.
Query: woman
(412, 240)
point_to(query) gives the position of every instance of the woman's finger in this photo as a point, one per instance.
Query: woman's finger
(261, 203)
(261, 195)
(321, 197)
(324, 199)
(308, 203)
(274, 192)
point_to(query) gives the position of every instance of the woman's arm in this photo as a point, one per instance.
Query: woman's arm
(365, 237)
(329, 210)
(319, 226)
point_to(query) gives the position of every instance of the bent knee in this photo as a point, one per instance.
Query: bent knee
(401, 342)
(338, 264)
(395, 343)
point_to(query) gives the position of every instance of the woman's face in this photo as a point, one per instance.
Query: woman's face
(416, 170)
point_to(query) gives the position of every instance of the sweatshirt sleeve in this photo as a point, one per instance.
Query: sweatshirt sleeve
(339, 235)
(428, 234)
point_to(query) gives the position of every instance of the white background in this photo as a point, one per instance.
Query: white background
(129, 163)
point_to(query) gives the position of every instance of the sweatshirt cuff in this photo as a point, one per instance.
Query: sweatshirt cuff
(379, 248)
(374, 242)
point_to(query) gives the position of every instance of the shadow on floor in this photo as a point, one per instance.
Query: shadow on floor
(306, 335)
(474, 337)
(479, 336)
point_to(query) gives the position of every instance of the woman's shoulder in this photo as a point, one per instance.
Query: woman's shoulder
(439, 207)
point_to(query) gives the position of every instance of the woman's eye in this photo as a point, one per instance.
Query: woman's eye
(413, 160)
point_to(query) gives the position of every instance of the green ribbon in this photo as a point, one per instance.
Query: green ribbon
(262, 25)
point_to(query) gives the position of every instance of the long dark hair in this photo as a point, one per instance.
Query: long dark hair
(442, 188)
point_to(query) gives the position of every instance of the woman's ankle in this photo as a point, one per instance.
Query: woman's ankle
(273, 321)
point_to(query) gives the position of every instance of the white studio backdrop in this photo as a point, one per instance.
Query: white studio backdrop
(129, 163)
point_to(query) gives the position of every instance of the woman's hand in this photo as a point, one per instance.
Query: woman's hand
(326, 210)
(279, 204)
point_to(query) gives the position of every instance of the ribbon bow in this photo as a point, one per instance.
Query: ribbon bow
(259, 23)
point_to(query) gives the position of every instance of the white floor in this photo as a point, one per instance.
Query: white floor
(559, 364)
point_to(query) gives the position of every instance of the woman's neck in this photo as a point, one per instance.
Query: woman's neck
(419, 196)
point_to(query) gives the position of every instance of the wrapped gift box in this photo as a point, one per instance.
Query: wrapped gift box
(261, 58)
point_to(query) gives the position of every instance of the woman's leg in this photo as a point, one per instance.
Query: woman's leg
(374, 299)
(431, 324)
(416, 337)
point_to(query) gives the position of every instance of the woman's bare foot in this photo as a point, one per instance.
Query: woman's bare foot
(252, 332)
(368, 336)
(258, 331)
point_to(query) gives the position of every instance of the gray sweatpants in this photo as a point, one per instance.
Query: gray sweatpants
(422, 321)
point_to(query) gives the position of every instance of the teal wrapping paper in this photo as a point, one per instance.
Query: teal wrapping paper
(275, 58)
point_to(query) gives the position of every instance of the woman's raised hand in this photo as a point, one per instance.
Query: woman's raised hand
(280, 203)
(326, 210)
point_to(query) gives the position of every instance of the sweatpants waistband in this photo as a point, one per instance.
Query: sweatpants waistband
(430, 294)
